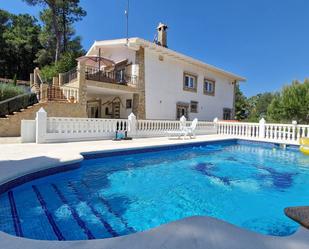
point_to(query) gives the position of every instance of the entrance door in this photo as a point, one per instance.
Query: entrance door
(116, 110)
(182, 110)
(93, 109)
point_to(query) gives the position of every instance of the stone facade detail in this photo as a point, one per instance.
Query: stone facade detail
(139, 103)
(135, 103)
(81, 79)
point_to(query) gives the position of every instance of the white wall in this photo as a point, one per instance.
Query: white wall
(28, 130)
(164, 88)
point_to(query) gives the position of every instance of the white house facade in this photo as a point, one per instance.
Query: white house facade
(152, 81)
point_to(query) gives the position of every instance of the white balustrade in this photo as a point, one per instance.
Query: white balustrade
(76, 129)
(70, 92)
(58, 129)
(152, 128)
(155, 127)
(238, 129)
(204, 128)
(271, 132)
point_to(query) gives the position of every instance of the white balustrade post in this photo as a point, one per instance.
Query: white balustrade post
(132, 125)
(41, 125)
(215, 121)
(262, 128)
(294, 131)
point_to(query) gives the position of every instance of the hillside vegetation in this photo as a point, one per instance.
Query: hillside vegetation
(9, 90)
(290, 103)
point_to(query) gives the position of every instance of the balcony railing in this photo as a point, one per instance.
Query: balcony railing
(69, 76)
(115, 76)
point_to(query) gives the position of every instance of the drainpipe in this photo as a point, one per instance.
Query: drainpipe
(234, 97)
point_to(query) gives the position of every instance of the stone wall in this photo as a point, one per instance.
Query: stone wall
(10, 127)
(139, 108)
(81, 79)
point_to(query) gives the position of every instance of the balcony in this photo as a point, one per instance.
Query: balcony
(124, 76)
(101, 76)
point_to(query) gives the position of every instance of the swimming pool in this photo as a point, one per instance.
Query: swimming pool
(114, 194)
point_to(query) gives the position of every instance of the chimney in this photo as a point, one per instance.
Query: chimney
(162, 35)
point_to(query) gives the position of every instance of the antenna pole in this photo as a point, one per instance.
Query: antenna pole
(127, 18)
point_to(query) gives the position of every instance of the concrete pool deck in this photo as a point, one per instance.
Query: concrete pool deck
(17, 160)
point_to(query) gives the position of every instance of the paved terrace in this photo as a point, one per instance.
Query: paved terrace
(194, 232)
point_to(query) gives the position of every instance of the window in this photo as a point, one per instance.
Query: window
(182, 110)
(189, 82)
(129, 103)
(209, 87)
(194, 106)
(227, 113)
(120, 76)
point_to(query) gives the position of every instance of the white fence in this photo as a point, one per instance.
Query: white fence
(290, 133)
(77, 129)
(158, 128)
(54, 129)
(60, 129)
(238, 129)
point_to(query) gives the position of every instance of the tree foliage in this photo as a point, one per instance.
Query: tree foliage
(65, 64)
(257, 106)
(25, 44)
(291, 103)
(58, 33)
(4, 24)
(19, 44)
(241, 104)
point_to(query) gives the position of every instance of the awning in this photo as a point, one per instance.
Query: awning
(93, 60)
(182, 103)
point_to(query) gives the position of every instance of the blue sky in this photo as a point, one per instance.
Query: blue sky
(266, 41)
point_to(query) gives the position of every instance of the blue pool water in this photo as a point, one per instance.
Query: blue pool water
(242, 183)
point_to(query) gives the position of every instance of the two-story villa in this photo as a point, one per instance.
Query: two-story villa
(117, 77)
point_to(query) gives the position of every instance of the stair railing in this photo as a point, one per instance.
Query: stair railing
(15, 104)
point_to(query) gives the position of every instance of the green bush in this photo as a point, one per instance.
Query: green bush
(292, 103)
(65, 64)
(9, 90)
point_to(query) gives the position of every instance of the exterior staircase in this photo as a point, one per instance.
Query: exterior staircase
(56, 101)
(10, 124)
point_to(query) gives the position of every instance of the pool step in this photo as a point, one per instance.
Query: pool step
(93, 210)
(74, 213)
(48, 214)
(105, 202)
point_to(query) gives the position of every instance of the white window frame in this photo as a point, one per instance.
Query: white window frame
(189, 82)
(209, 87)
